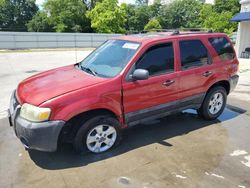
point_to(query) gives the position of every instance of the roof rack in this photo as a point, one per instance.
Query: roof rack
(173, 31)
(192, 30)
(196, 29)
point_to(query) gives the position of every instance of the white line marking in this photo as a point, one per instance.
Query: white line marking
(181, 177)
(218, 176)
(241, 186)
(238, 152)
(248, 161)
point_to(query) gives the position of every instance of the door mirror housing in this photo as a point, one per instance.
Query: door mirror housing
(140, 74)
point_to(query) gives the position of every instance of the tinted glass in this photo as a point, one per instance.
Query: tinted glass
(222, 47)
(110, 58)
(193, 54)
(157, 59)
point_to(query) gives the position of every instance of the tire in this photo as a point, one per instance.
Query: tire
(211, 107)
(89, 131)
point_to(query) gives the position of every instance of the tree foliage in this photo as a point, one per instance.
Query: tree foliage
(232, 6)
(152, 24)
(217, 17)
(181, 13)
(139, 16)
(108, 17)
(61, 16)
(15, 14)
(39, 23)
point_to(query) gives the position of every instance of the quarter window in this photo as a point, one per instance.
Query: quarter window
(193, 54)
(158, 59)
(223, 47)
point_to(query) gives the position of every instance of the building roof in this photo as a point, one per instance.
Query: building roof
(243, 16)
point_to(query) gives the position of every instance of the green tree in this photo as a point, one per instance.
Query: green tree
(181, 13)
(108, 17)
(217, 21)
(15, 14)
(232, 6)
(152, 24)
(139, 16)
(61, 16)
(39, 23)
(67, 15)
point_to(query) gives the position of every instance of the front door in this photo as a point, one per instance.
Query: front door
(147, 98)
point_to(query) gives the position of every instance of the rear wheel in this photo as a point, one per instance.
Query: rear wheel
(213, 104)
(97, 135)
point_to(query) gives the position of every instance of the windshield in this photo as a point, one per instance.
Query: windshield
(110, 58)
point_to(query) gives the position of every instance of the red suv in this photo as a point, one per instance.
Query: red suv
(127, 80)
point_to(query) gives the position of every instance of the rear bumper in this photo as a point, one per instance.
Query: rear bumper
(41, 136)
(233, 82)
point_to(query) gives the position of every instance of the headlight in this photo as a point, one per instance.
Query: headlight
(34, 113)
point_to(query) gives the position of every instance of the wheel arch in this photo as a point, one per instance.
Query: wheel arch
(222, 83)
(72, 125)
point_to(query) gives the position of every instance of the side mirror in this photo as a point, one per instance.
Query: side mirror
(140, 74)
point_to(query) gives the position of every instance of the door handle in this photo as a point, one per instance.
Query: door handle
(207, 73)
(168, 82)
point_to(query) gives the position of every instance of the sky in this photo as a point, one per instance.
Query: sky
(40, 2)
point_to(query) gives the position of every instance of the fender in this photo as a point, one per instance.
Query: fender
(66, 106)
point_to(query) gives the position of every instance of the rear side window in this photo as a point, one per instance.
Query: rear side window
(223, 47)
(193, 54)
(158, 59)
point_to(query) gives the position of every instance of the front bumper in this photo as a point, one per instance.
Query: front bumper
(41, 136)
(233, 82)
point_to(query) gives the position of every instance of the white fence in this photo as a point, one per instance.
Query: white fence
(23, 40)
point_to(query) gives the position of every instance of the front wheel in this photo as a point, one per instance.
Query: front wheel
(97, 135)
(213, 104)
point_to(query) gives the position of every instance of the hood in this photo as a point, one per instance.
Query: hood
(46, 85)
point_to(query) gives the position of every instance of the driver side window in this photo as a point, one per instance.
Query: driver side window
(158, 59)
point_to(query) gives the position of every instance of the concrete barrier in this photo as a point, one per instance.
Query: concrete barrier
(24, 40)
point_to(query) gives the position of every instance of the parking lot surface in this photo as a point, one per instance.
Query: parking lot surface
(181, 150)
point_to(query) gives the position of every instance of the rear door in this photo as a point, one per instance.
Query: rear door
(146, 98)
(196, 71)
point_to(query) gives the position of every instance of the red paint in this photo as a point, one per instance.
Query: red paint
(69, 91)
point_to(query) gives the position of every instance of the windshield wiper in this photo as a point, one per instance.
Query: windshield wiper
(86, 69)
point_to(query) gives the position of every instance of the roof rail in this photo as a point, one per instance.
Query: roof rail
(174, 31)
(196, 29)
